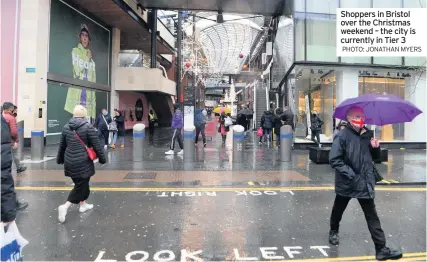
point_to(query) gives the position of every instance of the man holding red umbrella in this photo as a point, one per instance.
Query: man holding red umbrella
(351, 157)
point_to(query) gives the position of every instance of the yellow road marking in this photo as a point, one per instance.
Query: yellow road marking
(406, 257)
(251, 183)
(385, 181)
(216, 189)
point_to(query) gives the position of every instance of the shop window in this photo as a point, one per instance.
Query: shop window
(321, 40)
(322, 7)
(355, 4)
(415, 61)
(299, 5)
(356, 59)
(414, 3)
(377, 85)
(387, 3)
(299, 39)
(388, 60)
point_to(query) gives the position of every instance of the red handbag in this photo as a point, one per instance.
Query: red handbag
(90, 152)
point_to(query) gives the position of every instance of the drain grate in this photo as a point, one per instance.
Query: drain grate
(140, 176)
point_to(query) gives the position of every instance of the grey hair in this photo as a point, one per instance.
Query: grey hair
(350, 110)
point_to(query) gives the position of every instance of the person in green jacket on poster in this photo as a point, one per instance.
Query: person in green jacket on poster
(83, 64)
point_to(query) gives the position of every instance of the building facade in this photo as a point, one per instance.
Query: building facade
(313, 78)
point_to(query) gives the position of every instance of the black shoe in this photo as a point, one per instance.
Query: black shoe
(21, 206)
(386, 253)
(21, 169)
(204, 145)
(334, 239)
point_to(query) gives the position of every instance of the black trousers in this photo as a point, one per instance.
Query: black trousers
(177, 136)
(151, 127)
(198, 131)
(315, 134)
(104, 134)
(80, 191)
(371, 216)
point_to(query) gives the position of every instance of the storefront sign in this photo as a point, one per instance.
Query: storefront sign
(30, 70)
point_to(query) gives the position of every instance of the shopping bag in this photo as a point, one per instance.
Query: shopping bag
(11, 250)
(259, 132)
(228, 121)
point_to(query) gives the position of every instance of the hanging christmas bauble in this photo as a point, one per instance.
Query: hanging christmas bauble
(187, 64)
(241, 55)
(244, 67)
(204, 60)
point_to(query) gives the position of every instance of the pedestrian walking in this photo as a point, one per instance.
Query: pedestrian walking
(277, 124)
(316, 128)
(8, 195)
(177, 125)
(152, 121)
(266, 124)
(223, 127)
(351, 157)
(120, 129)
(9, 113)
(102, 124)
(200, 123)
(77, 139)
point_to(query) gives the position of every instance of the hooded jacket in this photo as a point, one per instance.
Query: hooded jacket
(8, 195)
(200, 119)
(351, 157)
(267, 120)
(177, 120)
(72, 153)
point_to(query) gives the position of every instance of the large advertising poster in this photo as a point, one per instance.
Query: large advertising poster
(78, 47)
(60, 105)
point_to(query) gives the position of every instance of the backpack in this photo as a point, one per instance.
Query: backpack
(199, 120)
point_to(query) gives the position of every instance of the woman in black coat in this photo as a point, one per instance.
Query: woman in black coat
(120, 123)
(223, 129)
(76, 136)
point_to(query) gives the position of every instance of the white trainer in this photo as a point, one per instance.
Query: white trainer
(170, 152)
(181, 152)
(86, 207)
(62, 212)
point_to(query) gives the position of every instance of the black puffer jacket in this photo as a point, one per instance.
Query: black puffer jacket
(351, 157)
(72, 153)
(267, 120)
(120, 120)
(8, 196)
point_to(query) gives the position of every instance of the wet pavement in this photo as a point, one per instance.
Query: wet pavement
(160, 208)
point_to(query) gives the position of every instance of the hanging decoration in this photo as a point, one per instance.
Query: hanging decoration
(241, 56)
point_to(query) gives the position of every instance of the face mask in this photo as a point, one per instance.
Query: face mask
(105, 113)
(359, 123)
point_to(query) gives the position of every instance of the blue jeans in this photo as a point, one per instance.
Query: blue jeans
(122, 139)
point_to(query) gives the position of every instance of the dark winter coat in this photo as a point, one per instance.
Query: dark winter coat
(316, 124)
(8, 196)
(288, 118)
(100, 123)
(267, 120)
(351, 157)
(278, 118)
(120, 121)
(72, 153)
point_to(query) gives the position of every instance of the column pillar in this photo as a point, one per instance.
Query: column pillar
(415, 92)
(154, 38)
(33, 53)
(179, 56)
(115, 50)
(347, 84)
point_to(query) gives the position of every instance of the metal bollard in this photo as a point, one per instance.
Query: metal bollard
(189, 149)
(21, 140)
(138, 141)
(286, 135)
(238, 138)
(37, 145)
